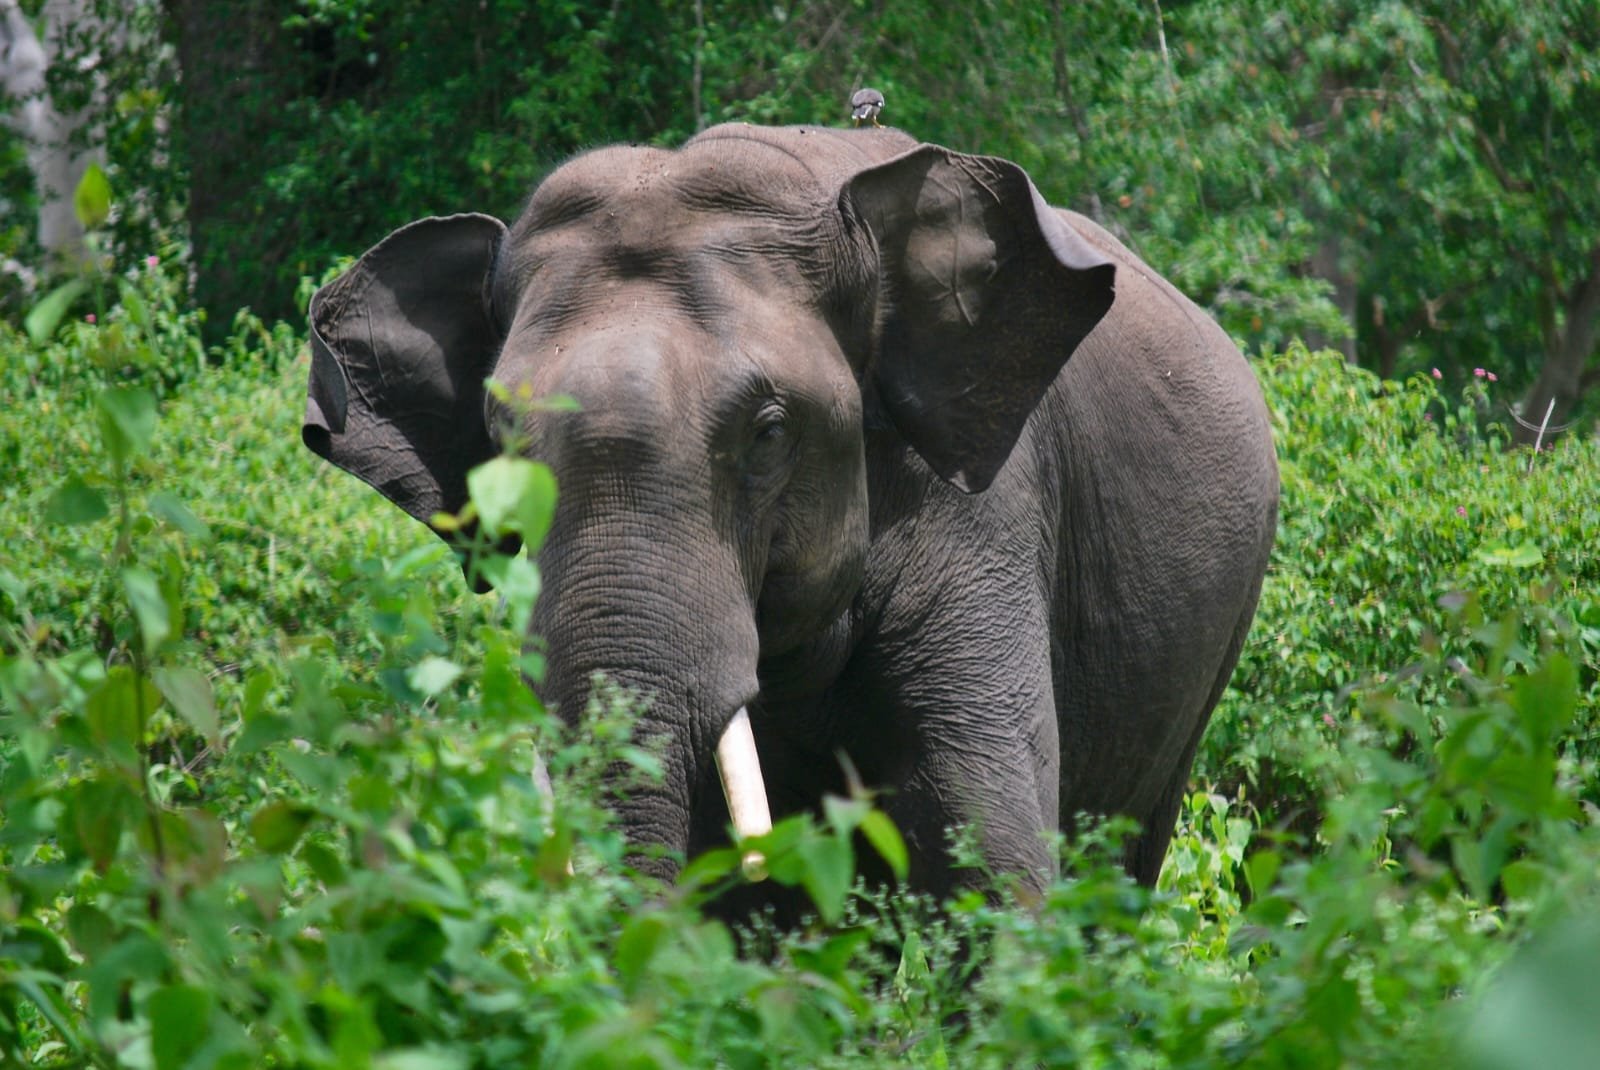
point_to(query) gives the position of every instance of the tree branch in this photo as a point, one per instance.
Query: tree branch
(1074, 111)
(1454, 65)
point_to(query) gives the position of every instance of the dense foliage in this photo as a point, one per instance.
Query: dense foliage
(266, 774)
(267, 792)
(1409, 180)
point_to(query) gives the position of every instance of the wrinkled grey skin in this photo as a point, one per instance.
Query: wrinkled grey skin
(833, 463)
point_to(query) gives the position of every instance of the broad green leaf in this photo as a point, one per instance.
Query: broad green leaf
(828, 868)
(514, 495)
(43, 319)
(91, 201)
(149, 606)
(180, 1022)
(1260, 870)
(1546, 699)
(641, 938)
(1523, 555)
(136, 957)
(190, 695)
(833, 957)
(710, 867)
(90, 928)
(169, 508)
(426, 1058)
(127, 420)
(880, 831)
(117, 708)
(844, 814)
(432, 675)
(1541, 1010)
(100, 811)
(1524, 878)
(75, 502)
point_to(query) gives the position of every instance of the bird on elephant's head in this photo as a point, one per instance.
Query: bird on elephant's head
(865, 104)
(875, 453)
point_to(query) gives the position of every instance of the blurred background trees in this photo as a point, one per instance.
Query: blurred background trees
(1409, 181)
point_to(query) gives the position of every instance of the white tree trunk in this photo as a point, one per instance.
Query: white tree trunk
(57, 163)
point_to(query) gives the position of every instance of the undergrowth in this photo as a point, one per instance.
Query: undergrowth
(268, 793)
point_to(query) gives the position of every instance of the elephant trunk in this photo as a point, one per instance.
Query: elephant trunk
(681, 633)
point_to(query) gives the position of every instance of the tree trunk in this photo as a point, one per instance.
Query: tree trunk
(1324, 264)
(58, 153)
(236, 65)
(1568, 347)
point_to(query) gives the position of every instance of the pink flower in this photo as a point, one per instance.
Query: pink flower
(151, 261)
(1461, 510)
(1492, 377)
(1428, 416)
(1479, 372)
(1437, 374)
(1328, 720)
(89, 318)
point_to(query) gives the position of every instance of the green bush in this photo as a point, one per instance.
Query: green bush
(268, 794)
(1396, 507)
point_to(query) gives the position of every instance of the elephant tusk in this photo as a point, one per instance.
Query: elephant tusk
(739, 769)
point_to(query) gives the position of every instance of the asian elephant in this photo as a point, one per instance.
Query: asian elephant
(870, 442)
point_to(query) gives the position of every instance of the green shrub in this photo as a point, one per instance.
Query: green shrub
(1394, 508)
(267, 792)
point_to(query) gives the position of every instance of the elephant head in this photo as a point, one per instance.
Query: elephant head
(733, 320)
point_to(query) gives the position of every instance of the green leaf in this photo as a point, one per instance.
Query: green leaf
(1542, 1008)
(1524, 555)
(167, 507)
(432, 675)
(514, 495)
(136, 957)
(149, 606)
(115, 710)
(843, 814)
(180, 1022)
(1546, 699)
(828, 869)
(1260, 870)
(91, 201)
(710, 867)
(833, 957)
(100, 810)
(887, 841)
(43, 319)
(426, 1058)
(90, 928)
(127, 420)
(191, 697)
(75, 502)
(641, 938)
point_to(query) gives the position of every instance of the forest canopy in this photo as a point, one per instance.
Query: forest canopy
(1410, 181)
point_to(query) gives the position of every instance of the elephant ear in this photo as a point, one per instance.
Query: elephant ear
(988, 292)
(400, 346)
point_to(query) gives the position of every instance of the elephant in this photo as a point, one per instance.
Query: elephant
(874, 454)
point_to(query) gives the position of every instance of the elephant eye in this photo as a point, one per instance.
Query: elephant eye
(769, 439)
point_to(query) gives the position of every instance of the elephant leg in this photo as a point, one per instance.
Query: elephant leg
(1146, 854)
(1144, 857)
(993, 776)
